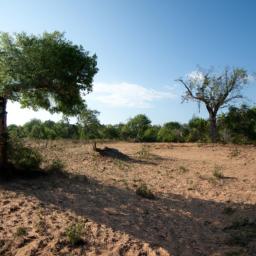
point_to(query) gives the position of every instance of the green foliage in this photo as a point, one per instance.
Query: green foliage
(23, 157)
(46, 71)
(56, 165)
(21, 231)
(240, 124)
(111, 132)
(89, 127)
(74, 234)
(136, 127)
(198, 130)
(214, 90)
(150, 134)
(89, 124)
(171, 132)
(145, 192)
(217, 172)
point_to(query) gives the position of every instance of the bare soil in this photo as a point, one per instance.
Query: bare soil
(205, 201)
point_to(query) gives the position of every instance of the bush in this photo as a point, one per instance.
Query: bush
(145, 192)
(21, 231)
(56, 165)
(144, 152)
(150, 135)
(74, 234)
(23, 157)
(171, 132)
(217, 173)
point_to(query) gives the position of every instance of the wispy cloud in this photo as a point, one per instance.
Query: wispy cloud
(128, 95)
(198, 75)
(195, 75)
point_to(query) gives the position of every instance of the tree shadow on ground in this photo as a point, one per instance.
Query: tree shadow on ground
(181, 225)
(117, 154)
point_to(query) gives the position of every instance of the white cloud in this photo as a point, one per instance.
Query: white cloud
(195, 75)
(128, 95)
(251, 78)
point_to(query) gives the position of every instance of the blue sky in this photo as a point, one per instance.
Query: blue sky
(142, 47)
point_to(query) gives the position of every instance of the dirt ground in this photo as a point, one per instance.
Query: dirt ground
(205, 201)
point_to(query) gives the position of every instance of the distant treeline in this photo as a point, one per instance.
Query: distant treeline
(238, 125)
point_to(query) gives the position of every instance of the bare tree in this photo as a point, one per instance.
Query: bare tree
(214, 90)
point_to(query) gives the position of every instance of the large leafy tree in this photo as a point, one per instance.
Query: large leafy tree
(240, 123)
(214, 90)
(46, 71)
(136, 127)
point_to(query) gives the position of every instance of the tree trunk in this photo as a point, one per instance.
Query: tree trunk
(213, 128)
(94, 147)
(3, 133)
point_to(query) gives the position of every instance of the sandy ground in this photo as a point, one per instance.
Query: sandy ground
(205, 201)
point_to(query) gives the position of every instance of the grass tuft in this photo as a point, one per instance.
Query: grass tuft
(145, 192)
(21, 231)
(74, 234)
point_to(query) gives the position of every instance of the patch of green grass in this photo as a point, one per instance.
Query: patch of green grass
(145, 192)
(217, 172)
(74, 234)
(56, 165)
(21, 231)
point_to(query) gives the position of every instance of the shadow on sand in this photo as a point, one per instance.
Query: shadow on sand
(183, 226)
(117, 154)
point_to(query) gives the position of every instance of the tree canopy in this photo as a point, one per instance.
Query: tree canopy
(214, 90)
(46, 71)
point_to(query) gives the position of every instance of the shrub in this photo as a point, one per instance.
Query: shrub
(23, 157)
(21, 231)
(74, 234)
(144, 152)
(171, 132)
(150, 135)
(183, 169)
(217, 173)
(145, 192)
(56, 165)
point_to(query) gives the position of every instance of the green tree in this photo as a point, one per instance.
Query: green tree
(214, 91)
(240, 123)
(171, 132)
(46, 71)
(135, 127)
(150, 135)
(110, 132)
(198, 130)
(89, 125)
